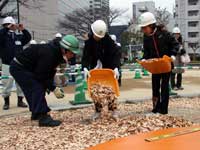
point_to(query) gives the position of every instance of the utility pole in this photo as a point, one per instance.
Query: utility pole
(18, 14)
(33, 35)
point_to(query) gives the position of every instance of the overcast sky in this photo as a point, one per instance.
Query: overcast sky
(169, 4)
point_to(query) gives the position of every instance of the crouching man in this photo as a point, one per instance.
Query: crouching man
(34, 70)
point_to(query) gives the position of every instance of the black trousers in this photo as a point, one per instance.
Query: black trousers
(33, 90)
(161, 99)
(176, 80)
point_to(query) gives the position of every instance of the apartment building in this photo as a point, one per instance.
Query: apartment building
(98, 9)
(187, 16)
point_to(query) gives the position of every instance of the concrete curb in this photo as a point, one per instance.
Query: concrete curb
(135, 101)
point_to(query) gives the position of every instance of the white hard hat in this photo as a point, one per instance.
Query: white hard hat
(9, 20)
(33, 42)
(146, 19)
(176, 30)
(58, 35)
(113, 37)
(119, 44)
(42, 42)
(99, 28)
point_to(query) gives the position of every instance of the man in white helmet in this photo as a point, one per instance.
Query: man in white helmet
(11, 43)
(58, 35)
(100, 51)
(32, 42)
(157, 43)
(177, 84)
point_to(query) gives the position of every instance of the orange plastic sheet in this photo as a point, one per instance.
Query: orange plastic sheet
(188, 141)
(105, 77)
(157, 65)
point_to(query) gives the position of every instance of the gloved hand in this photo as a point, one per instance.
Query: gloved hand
(173, 58)
(86, 73)
(116, 73)
(143, 60)
(99, 65)
(59, 93)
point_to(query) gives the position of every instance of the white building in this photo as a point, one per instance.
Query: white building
(99, 9)
(188, 20)
(139, 7)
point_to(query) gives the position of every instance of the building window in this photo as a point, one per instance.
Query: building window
(193, 23)
(193, 34)
(192, 2)
(193, 13)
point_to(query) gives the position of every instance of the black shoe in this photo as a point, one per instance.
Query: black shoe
(35, 116)
(163, 112)
(154, 111)
(7, 103)
(5, 106)
(47, 121)
(20, 103)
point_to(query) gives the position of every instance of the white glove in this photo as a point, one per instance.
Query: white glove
(99, 65)
(116, 73)
(143, 60)
(59, 93)
(173, 58)
(86, 73)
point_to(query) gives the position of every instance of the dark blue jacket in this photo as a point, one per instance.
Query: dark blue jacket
(105, 50)
(160, 44)
(12, 43)
(42, 60)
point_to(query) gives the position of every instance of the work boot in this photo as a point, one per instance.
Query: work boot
(35, 116)
(45, 120)
(20, 103)
(95, 116)
(7, 103)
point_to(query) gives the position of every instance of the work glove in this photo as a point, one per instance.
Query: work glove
(173, 58)
(59, 93)
(86, 73)
(99, 65)
(116, 73)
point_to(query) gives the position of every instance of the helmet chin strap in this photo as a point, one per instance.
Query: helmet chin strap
(63, 54)
(65, 58)
(153, 32)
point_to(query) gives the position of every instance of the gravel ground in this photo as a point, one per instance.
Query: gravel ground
(78, 132)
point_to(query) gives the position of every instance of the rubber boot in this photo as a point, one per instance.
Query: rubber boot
(7, 103)
(20, 103)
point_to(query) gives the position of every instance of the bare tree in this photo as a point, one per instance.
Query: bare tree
(79, 21)
(115, 13)
(25, 3)
(195, 48)
(162, 16)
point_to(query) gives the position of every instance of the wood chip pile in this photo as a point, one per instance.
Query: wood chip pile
(75, 133)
